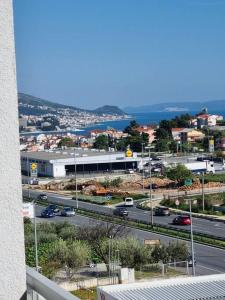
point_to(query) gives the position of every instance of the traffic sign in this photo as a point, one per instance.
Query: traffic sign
(177, 202)
(108, 197)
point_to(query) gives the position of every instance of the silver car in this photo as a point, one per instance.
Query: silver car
(67, 212)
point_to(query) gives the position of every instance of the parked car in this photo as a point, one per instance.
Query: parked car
(53, 207)
(47, 213)
(42, 197)
(182, 220)
(129, 171)
(67, 212)
(157, 158)
(162, 211)
(120, 211)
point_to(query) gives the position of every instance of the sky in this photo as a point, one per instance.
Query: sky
(90, 53)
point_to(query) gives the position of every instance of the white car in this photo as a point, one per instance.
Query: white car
(130, 171)
(67, 212)
(128, 202)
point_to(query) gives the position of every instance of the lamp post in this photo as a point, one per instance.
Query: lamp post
(142, 155)
(150, 184)
(203, 192)
(75, 173)
(192, 238)
(35, 236)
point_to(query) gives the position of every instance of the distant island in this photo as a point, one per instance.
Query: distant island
(38, 114)
(177, 106)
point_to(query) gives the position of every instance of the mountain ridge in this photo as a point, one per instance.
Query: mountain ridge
(29, 104)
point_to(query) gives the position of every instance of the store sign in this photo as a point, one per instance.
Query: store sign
(129, 153)
(33, 170)
(211, 145)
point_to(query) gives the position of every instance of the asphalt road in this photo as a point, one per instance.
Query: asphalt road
(214, 228)
(209, 260)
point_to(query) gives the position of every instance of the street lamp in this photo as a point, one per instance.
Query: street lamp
(35, 236)
(142, 162)
(203, 192)
(150, 184)
(192, 238)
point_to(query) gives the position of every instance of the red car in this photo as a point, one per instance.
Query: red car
(182, 220)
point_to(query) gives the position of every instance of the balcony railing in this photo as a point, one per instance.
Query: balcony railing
(41, 288)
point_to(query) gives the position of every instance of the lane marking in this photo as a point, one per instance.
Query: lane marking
(211, 269)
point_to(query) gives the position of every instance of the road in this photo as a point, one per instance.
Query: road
(209, 260)
(214, 228)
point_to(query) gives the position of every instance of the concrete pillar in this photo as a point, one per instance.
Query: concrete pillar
(12, 260)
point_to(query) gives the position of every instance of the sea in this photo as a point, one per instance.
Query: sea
(141, 118)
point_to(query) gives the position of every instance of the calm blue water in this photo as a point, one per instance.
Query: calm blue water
(141, 118)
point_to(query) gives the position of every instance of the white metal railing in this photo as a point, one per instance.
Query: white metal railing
(41, 288)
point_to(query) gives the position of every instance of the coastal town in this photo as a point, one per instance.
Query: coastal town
(202, 132)
(37, 115)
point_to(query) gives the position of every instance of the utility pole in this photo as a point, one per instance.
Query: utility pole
(203, 192)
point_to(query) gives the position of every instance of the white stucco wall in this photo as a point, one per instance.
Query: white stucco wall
(12, 264)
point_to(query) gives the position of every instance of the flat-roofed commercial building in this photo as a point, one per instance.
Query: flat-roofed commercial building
(61, 163)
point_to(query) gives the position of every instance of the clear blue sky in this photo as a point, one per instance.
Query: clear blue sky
(124, 52)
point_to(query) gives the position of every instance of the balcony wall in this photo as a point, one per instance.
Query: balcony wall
(12, 262)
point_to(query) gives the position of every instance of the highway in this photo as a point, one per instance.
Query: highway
(214, 228)
(209, 260)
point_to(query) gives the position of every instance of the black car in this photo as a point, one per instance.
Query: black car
(120, 211)
(162, 211)
(190, 261)
(53, 207)
(42, 197)
(47, 213)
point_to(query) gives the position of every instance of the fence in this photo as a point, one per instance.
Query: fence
(149, 271)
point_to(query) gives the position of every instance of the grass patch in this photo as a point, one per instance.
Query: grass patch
(157, 272)
(213, 178)
(100, 200)
(86, 294)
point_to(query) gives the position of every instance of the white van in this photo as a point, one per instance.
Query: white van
(128, 201)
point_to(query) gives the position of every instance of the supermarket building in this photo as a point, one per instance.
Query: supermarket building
(62, 163)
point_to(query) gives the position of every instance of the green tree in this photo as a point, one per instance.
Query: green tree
(66, 142)
(97, 238)
(132, 252)
(101, 142)
(178, 251)
(162, 145)
(179, 173)
(161, 134)
(131, 128)
(71, 256)
(160, 253)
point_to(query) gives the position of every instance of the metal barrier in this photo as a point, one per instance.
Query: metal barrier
(41, 288)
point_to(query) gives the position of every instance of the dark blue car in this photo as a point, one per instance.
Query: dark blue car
(47, 213)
